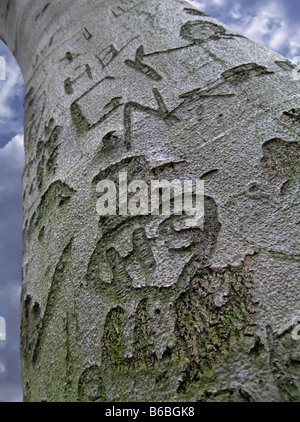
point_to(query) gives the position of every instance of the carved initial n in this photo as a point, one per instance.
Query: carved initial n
(161, 112)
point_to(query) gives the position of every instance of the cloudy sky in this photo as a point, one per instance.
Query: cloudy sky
(273, 23)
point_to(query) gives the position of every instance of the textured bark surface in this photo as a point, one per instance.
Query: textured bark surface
(128, 309)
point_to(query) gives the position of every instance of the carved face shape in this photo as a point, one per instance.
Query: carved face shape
(147, 246)
(90, 386)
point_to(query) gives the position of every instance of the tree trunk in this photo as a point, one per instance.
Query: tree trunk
(142, 308)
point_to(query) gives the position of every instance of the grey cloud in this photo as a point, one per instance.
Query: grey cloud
(11, 98)
(273, 23)
(11, 163)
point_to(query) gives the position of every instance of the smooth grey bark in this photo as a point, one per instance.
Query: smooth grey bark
(131, 309)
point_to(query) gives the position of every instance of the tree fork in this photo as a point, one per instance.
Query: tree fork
(140, 308)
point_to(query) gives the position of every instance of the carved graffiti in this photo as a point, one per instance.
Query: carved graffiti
(244, 72)
(141, 67)
(281, 157)
(285, 65)
(166, 168)
(68, 83)
(200, 31)
(110, 141)
(283, 352)
(168, 50)
(214, 312)
(58, 194)
(194, 12)
(161, 112)
(42, 11)
(291, 117)
(109, 53)
(80, 121)
(83, 125)
(140, 265)
(36, 105)
(90, 385)
(46, 153)
(231, 77)
(57, 281)
(109, 108)
(86, 33)
(124, 6)
(30, 320)
(34, 324)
